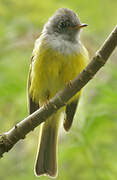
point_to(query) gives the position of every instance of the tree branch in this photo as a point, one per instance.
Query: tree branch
(19, 131)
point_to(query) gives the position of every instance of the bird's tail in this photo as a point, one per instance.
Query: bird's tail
(46, 162)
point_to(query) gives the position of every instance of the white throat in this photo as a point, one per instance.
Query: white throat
(63, 46)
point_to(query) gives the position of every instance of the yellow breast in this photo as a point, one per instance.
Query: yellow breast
(51, 71)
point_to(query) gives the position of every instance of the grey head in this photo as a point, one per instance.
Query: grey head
(64, 23)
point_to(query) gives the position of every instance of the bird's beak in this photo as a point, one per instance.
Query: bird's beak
(79, 26)
(83, 25)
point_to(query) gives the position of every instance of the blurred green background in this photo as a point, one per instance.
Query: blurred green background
(89, 150)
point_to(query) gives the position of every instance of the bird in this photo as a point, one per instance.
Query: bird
(57, 58)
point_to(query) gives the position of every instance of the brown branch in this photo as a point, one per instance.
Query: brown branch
(19, 131)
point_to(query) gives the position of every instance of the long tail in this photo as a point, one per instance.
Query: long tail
(46, 162)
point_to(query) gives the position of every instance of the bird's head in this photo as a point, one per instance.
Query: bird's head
(65, 23)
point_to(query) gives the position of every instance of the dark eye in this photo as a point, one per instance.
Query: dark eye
(62, 24)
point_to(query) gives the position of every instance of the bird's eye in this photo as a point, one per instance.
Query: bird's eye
(62, 24)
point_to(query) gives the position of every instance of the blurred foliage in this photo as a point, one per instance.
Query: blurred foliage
(88, 151)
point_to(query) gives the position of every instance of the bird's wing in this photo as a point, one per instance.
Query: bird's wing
(70, 112)
(32, 106)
